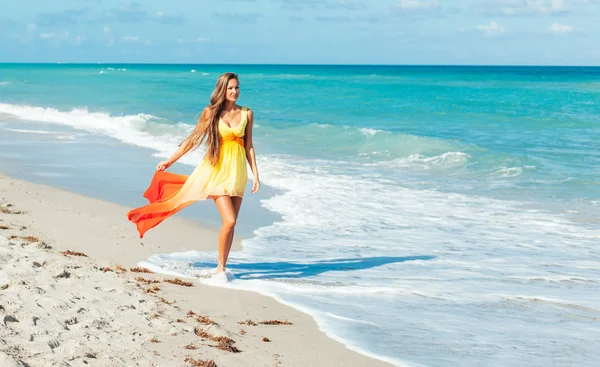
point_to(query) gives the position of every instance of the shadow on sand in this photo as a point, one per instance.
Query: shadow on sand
(292, 270)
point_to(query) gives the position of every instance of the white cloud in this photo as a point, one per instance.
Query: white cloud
(557, 28)
(109, 34)
(63, 37)
(522, 7)
(78, 40)
(136, 39)
(586, 2)
(50, 35)
(547, 7)
(161, 17)
(31, 27)
(417, 4)
(47, 35)
(130, 38)
(492, 29)
(197, 40)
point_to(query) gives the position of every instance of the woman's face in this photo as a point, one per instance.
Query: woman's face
(233, 90)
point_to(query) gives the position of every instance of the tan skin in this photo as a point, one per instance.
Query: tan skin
(228, 206)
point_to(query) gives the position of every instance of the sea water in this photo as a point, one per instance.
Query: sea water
(423, 215)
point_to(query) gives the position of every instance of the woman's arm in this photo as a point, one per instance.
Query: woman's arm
(184, 147)
(250, 154)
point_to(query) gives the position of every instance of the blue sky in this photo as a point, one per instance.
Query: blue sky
(491, 32)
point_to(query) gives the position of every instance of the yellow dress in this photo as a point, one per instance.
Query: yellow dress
(169, 192)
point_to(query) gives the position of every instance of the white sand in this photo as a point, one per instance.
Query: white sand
(60, 310)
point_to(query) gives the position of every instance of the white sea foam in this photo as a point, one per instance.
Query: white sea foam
(26, 131)
(56, 135)
(445, 160)
(509, 172)
(4, 83)
(110, 69)
(50, 174)
(368, 131)
(66, 137)
(332, 315)
(132, 129)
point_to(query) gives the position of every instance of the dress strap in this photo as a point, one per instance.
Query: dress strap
(244, 119)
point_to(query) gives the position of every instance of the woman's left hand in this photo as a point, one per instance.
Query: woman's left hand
(255, 186)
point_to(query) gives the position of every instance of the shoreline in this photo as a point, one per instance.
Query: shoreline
(99, 229)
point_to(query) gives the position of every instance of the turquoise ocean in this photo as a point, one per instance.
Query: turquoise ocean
(423, 215)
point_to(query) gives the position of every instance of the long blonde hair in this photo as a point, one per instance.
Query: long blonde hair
(208, 126)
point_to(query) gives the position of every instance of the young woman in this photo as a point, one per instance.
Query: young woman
(222, 175)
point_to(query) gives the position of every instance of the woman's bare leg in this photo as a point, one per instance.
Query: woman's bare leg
(237, 204)
(228, 208)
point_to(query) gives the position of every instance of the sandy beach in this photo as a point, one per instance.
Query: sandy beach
(71, 295)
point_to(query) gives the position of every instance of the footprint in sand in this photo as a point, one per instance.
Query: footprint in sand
(9, 318)
(100, 324)
(53, 344)
(63, 274)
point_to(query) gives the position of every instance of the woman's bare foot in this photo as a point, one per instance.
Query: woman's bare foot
(221, 275)
(220, 268)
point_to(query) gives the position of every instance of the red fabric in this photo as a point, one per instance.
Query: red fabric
(163, 186)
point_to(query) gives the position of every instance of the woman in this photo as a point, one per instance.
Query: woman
(222, 175)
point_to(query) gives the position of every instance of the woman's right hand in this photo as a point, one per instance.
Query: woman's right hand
(163, 165)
